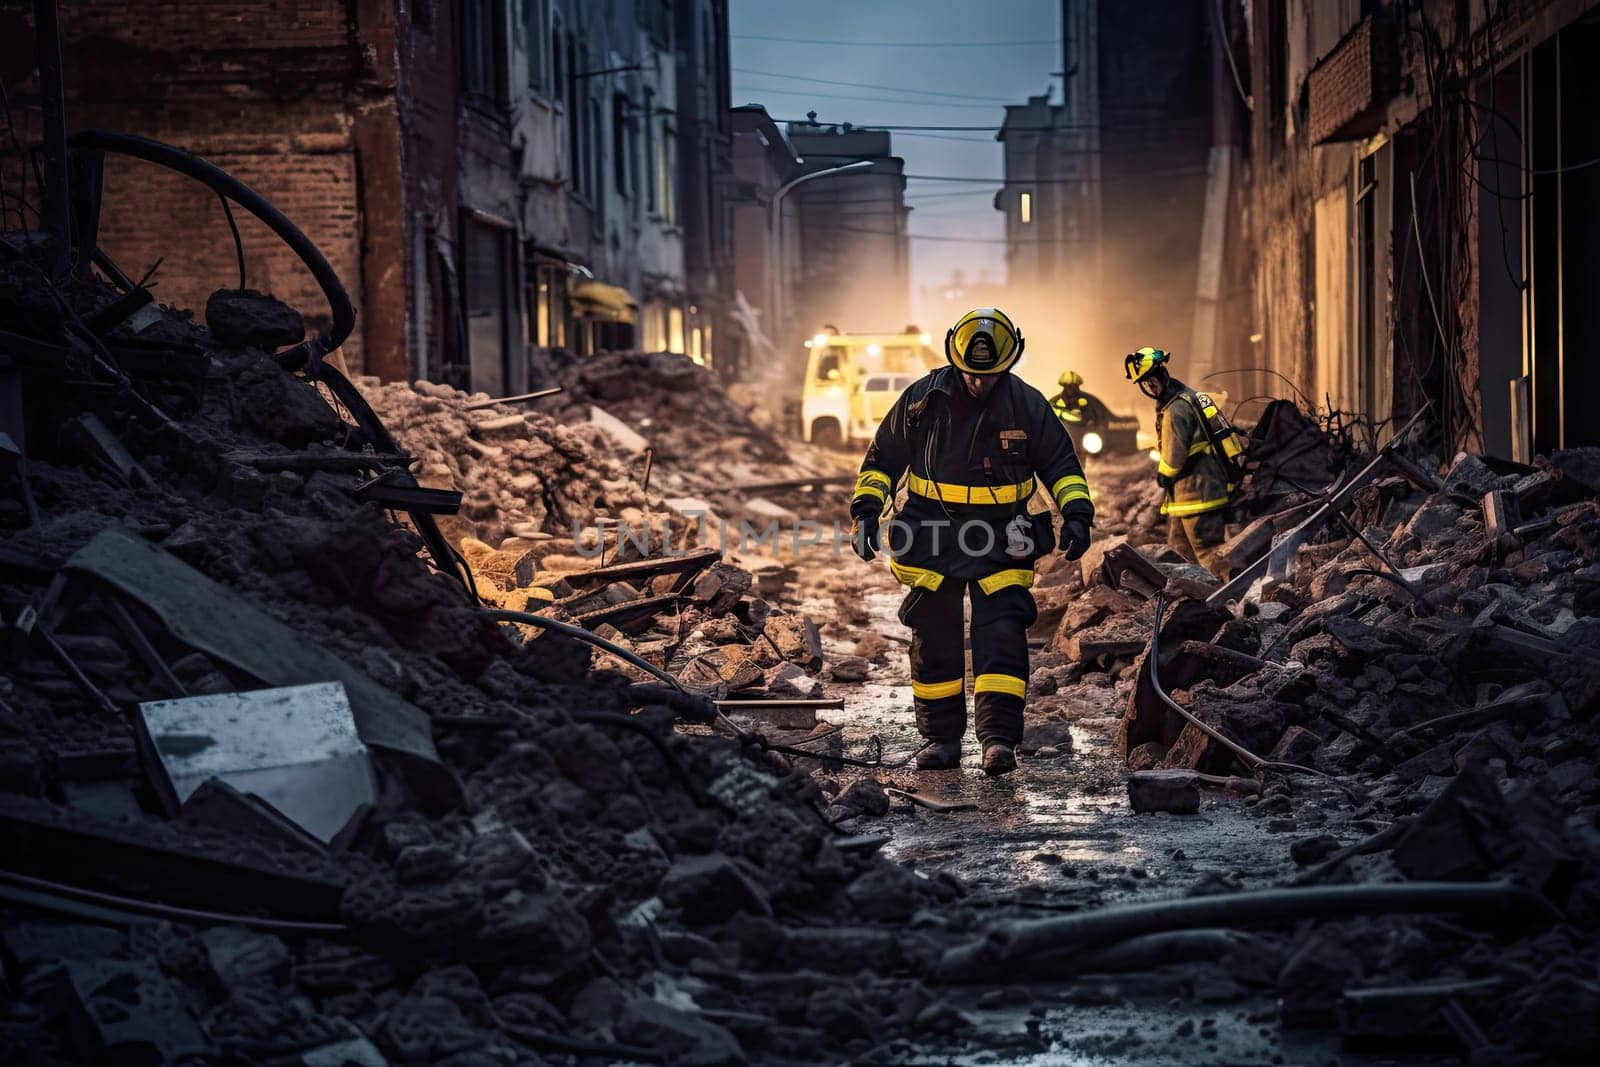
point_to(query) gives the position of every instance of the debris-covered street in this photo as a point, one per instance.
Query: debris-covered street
(485, 562)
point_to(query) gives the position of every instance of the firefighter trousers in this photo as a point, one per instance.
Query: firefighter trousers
(1198, 537)
(999, 638)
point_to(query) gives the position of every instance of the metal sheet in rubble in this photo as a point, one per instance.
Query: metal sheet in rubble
(295, 747)
(219, 622)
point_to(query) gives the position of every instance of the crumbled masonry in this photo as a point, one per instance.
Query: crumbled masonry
(576, 877)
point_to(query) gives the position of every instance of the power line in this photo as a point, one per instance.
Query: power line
(1175, 172)
(810, 94)
(944, 137)
(954, 239)
(870, 85)
(878, 127)
(835, 43)
(1165, 125)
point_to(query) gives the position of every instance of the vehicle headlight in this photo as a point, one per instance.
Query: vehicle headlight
(1155, 457)
(1092, 443)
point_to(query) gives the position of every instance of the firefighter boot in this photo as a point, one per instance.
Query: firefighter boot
(999, 758)
(939, 756)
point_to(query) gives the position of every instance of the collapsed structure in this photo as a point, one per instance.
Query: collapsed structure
(288, 777)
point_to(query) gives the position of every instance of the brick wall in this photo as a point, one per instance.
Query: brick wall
(197, 27)
(1342, 85)
(270, 91)
(149, 213)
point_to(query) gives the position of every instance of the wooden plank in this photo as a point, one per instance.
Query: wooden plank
(478, 405)
(687, 563)
(647, 605)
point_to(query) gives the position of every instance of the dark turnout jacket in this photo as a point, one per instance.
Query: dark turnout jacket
(1199, 478)
(969, 464)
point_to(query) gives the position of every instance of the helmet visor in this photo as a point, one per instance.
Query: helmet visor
(984, 359)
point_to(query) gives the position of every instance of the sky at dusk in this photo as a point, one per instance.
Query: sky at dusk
(901, 73)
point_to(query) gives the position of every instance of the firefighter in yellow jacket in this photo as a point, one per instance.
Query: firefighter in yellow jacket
(973, 442)
(1197, 468)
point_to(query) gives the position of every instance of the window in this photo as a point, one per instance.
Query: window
(656, 16)
(621, 144)
(675, 330)
(486, 279)
(650, 149)
(597, 145)
(1026, 208)
(549, 303)
(483, 53)
(558, 66)
(533, 40)
(575, 119)
(664, 164)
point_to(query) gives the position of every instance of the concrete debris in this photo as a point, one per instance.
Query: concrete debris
(295, 748)
(245, 318)
(525, 800)
(674, 403)
(1164, 790)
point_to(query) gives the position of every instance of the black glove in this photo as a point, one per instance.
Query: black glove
(1074, 537)
(864, 536)
(1164, 482)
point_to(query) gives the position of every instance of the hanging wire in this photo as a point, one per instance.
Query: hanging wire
(238, 243)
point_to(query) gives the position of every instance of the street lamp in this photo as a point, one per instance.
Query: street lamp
(775, 234)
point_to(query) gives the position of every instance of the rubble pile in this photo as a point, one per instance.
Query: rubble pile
(521, 473)
(561, 495)
(542, 866)
(676, 404)
(1433, 709)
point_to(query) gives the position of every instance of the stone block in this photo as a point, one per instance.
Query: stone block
(1173, 791)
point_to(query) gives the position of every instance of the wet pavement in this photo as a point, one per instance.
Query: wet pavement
(1057, 835)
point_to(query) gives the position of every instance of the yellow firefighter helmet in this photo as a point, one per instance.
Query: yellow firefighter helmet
(1004, 342)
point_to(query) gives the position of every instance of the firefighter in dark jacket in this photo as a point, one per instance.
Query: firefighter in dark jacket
(1195, 467)
(973, 441)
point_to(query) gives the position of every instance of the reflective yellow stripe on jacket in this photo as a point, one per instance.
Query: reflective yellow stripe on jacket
(1195, 449)
(950, 493)
(916, 577)
(1070, 488)
(873, 483)
(1191, 507)
(922, 577)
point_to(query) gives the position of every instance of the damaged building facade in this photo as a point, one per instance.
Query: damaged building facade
(1420, 202)
(1368, 206)
(499, 183)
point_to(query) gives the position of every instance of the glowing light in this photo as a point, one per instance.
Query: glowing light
(926, 339)
(1092, 443)
(808, 344)
(819, 340)
(874, 350)
(1155, 457)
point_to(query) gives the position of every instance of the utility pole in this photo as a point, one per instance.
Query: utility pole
(55, 196)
